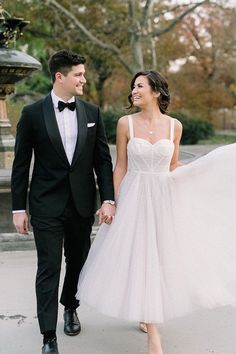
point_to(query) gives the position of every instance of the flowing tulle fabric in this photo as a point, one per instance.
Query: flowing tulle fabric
(171, 248)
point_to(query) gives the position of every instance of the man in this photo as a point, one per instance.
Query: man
(68, 140)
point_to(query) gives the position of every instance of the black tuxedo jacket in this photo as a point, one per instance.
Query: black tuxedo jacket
(53, 178)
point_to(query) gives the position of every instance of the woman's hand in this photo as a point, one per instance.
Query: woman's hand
(106, 213)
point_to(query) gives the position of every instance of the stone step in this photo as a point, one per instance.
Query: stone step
(12, 241)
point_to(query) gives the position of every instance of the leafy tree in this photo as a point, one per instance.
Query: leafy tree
(144, 23)
(123, 36)
(205, 80)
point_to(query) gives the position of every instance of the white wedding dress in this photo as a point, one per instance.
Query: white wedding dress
(171, 247)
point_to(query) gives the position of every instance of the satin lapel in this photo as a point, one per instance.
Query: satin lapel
(52, 127)
(82, 129)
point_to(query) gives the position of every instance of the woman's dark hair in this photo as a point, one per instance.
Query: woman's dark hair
(62, 61)
(158, 84)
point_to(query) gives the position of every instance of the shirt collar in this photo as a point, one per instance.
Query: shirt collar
(55, 99)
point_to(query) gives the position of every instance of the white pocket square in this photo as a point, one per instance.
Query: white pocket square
(89, 125)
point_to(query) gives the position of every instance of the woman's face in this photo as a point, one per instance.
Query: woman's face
(142, 93)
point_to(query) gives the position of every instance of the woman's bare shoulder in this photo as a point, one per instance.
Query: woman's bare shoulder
(124, 119)
(122, 122)
(178, 127)
(123, 125)
(178, 124)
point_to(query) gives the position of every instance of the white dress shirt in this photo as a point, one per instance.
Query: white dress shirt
(67, 124)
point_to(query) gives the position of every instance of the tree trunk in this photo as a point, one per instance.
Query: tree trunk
(137, 53)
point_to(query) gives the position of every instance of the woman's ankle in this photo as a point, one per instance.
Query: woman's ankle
(154, 340)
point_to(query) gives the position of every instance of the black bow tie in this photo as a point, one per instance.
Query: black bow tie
(62, 105)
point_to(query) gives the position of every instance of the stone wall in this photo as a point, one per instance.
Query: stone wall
(224, 119)
(5, 212)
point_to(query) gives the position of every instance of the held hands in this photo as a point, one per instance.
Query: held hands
(21, 222)
(106, 213)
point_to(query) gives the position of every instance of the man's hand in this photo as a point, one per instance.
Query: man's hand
(106, 213)
(21, 222)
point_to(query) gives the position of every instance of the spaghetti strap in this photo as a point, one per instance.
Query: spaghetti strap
(131, 128)
(172, 128)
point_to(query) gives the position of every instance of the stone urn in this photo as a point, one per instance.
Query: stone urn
(14, 67)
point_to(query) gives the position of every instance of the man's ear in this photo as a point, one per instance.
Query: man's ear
(58, 76)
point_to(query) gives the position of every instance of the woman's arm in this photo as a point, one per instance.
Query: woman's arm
(122, 137)
(177, 136)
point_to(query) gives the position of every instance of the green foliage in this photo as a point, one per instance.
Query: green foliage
(14, 109)
(35, 84)
(202, 85)
(219, 139)
(110, 119)
(40, 82)
(193, 129)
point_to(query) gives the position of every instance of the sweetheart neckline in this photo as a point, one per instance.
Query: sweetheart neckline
(152, 144)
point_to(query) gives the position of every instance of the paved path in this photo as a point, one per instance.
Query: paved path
(202, 333)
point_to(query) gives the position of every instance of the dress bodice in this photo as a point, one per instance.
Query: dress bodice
(149, 158)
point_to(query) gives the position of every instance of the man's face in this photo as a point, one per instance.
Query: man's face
(73, 82)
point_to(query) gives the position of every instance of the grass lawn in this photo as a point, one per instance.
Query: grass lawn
(219, 139)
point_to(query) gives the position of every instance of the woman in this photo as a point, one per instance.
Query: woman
(171, 246)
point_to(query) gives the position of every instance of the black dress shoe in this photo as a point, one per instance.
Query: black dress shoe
(72, 325)
(50, 347)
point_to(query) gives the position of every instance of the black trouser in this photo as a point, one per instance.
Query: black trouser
(49, 234)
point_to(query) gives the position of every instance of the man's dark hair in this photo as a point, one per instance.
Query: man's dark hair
(62, 61)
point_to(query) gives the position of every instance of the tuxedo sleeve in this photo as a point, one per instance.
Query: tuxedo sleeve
(22, 160)
(103, 163)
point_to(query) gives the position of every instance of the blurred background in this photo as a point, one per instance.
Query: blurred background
(192, 43)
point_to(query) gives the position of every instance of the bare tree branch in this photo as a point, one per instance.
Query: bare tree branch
(146, 11)
(110, 47)
(160, 32)
(173, 9)
(163, 12)
(131, 8)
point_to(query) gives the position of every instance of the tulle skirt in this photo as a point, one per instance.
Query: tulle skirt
(171, 248)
